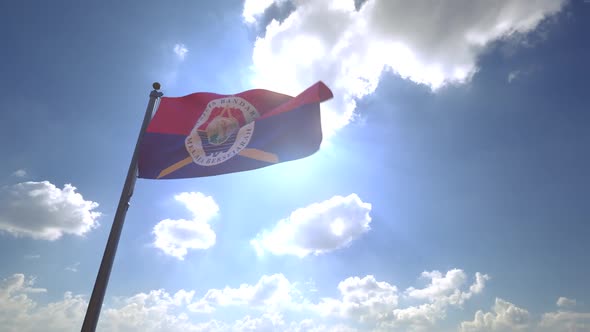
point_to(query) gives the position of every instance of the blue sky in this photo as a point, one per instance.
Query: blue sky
(454, 159)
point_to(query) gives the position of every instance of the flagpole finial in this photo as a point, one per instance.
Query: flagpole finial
(156, 86)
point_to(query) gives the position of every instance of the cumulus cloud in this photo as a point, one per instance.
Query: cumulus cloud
(151, 311)
(254, 8)
(18, 312)
(376, 304)
(439, 285)
(17, 283)
(365, 300)
(363, 304)
(41, 210)
(161, 311)
(317, 229)
(176, 236)
(564, 302)
(203, 208)
(19, 173)
(361, 298)
(270, 322)
(154, 311)
(442, 292)
(504, 316)
(266, 322)
(274, 291)
(180, 50)
(349, 48)
(565, 321)
(447, 286)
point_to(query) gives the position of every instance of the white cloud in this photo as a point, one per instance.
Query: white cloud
(253, 8)
(17, 283)
(505, 316)
(73, 267)
(308, 325)
(431, 43)
(440, 285)
(513, 75)
(521, 73)
(377, 303)
(156, 310)
(176, 237)
(18, 312)
(479, 284)
(19, 173)
(361, 298)
(273, 291)
(204, 208)
(318, 228)
(447, 287)
(267, 322)
(64, 315)
(442, 292)
(364, 304)
(41, 210)
(565, 321)
(180, 50)
(366, 300)
(271, 322)
(152, 311)
(14, 302)
(564, 302)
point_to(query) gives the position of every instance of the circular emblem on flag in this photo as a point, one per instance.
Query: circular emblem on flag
(223, 130)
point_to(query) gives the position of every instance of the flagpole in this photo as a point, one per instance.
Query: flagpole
(102, 278)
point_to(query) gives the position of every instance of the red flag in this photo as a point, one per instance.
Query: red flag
(204, 134)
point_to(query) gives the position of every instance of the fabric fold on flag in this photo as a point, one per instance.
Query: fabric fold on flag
(206, 134)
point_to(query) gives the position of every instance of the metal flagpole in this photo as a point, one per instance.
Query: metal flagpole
(102, 278)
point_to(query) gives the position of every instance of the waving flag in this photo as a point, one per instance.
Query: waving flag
(204, 134)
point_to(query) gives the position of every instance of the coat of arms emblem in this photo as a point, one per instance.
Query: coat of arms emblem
(223, 130)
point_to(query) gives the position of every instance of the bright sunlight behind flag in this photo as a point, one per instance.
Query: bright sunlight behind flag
(204, 134)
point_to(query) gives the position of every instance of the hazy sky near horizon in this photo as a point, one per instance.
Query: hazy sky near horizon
(450, 192)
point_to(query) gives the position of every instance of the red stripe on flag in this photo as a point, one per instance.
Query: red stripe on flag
(316, 93)
(178, 115)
